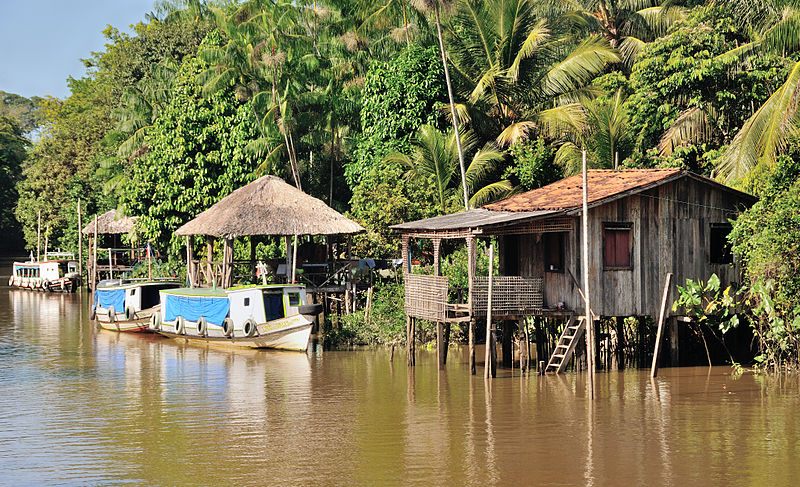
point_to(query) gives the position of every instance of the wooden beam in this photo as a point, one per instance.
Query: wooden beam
(488, 365)
(661, 315)
(590, 353)
(189, 259)
(80, 241)
(471, 260)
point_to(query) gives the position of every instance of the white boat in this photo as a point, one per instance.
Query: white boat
(127, 305)
(57, 272)
(265, 316)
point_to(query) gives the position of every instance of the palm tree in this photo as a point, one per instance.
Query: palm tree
(435, 6)
(605, 136)
(434, 159)
(628, 25)
(519, 74)
(774, 26)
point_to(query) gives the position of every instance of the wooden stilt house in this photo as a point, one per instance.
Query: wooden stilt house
(643, 224)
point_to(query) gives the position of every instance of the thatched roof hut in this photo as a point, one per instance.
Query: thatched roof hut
(109, 224)
(269, 206)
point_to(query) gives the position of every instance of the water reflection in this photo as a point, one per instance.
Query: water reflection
(84, 406)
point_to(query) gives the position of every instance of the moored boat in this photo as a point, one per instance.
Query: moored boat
(265, 316)
(59, 274)
(127, 305)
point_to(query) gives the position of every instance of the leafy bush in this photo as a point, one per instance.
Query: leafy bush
(533, 164)
(385, 324)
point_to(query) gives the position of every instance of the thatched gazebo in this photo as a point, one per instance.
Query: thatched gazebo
(106, 224)
(267, 206)
(109, 224)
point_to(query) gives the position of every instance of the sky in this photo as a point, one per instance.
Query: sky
(43, 41)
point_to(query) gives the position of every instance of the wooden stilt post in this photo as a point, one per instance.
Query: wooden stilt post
(253, 257)
(471, 279)
(661, 315)
(589, 318)
(294, 259)
(80, 241)
(94, 257)
(440, 344)
(211, 274)
(489, 341)
(39, 237)
(227, 263)
(406, 268)
(110, 265)
(189, 259)
(674, 342)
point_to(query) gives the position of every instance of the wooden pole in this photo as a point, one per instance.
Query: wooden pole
(294, 259)
(80, 241)
(470, 301)
(189, 266)
(46, 239)
(94, 257)
(661, 316)
(110, 267)
(39, 237)
(589, 318)
(489, 314)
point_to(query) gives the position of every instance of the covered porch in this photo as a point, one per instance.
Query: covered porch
(529, 282)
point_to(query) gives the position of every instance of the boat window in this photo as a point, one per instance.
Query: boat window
(133, 292)
(247, 301)
(294, 299)
(273, 306)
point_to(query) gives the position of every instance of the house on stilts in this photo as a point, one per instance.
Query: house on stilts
(643, 224)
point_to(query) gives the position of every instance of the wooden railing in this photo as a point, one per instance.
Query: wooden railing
(511, 295)
(426, 297)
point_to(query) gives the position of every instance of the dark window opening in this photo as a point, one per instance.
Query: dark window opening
(617, 246)
(720, 252)
(294, 299)
(273, 306)
(247, 301)
(554, 252)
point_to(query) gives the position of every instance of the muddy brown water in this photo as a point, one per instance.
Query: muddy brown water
(81, 406)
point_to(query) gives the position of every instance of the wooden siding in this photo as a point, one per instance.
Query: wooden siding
(667, 235)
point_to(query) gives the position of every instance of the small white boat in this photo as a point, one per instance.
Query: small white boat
(57, 272)
(265, 316)
(127, 305)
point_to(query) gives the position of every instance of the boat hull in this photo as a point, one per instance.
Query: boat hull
(140, 323)
(294, 337)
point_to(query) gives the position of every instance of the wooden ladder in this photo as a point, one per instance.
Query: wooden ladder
(566, 345)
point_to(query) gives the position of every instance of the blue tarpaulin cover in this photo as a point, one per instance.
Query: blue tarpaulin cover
(213, 309)
(110, 297)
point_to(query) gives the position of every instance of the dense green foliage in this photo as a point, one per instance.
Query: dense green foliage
(196, 156)
(348, 101)
(383, 325)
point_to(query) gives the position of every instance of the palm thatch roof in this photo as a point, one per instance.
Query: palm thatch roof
(109, 224)
(269, 206)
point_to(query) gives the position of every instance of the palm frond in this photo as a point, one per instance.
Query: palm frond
(491, 192)
(766, 133)
(586, 61)
(691, 127)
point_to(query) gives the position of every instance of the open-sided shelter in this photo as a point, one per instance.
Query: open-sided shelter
(267, 206)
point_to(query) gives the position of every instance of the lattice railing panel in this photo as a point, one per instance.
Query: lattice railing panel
(426, 296)
(510, 295)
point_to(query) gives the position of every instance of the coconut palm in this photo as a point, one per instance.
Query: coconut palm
(605, 136)
(435, 7)
(519, 74)
(627, 24)
(434, 159)
(774, 27)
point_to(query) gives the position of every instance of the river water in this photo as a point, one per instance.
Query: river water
(81, 406)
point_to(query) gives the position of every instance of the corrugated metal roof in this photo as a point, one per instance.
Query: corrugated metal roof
(568, 193)
(478, 218)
